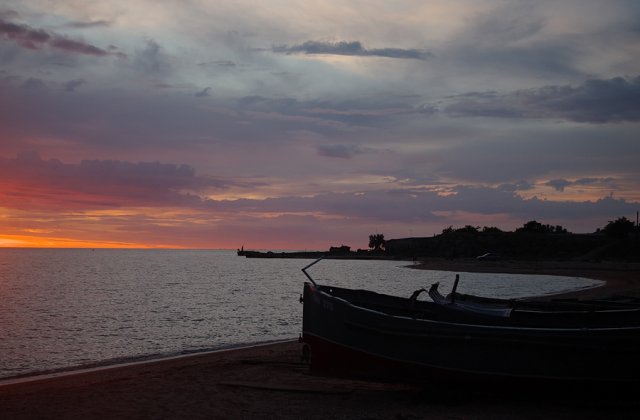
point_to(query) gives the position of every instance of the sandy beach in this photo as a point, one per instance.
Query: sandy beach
(270, 381)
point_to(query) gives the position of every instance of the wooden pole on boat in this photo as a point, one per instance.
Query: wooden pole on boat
(455, 286)
(304, 270)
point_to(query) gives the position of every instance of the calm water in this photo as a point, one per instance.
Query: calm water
(63, 308)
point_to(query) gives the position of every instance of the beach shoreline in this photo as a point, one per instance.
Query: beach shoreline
(620, 278)
(105, 365)
(269, 380)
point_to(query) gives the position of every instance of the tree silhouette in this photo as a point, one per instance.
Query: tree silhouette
(449, 229)
(619, 228)
(376, 241)
(469, 229)
(491, 229)
(533, 226)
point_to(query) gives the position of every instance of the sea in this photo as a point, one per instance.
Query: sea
(62, 309)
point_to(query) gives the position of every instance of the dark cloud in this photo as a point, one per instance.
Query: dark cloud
(88, 24)
(595, 101)
(72, 46)
(72, 85)
(561, 184)
(558, 184)
(36, 39)
(23, 34)
(353, 48)
(204, 92)
(96, 183)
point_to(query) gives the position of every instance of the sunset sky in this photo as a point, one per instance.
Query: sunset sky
(301, 125)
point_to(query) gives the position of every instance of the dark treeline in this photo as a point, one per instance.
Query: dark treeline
(618, 240)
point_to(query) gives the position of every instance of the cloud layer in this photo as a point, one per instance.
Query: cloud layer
(594, 101)
(306, 125)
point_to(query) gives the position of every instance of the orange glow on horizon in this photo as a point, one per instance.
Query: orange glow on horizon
(23, 241)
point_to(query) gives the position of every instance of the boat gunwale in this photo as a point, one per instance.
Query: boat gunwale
(468, 299)
(474, 325)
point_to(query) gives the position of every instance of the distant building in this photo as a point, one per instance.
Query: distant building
(339, 250)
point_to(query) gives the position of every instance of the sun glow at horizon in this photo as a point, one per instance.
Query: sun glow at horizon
(24, 241)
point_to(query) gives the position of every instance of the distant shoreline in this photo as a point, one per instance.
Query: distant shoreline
(621, 278)
(319, 254)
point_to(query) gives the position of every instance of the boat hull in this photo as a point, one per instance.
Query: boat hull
(347, 338)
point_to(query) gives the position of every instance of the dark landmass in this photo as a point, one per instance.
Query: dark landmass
(520, 246)
(471, 243)
(318, 254)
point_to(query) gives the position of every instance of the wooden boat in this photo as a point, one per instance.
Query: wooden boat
(371, 334)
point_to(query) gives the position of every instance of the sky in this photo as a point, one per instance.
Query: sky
(303, 125)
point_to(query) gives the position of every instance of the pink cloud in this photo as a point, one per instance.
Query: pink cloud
(35, 39)
(24, 35)
(30, 181)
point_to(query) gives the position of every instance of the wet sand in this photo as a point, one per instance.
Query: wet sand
(270, 381)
